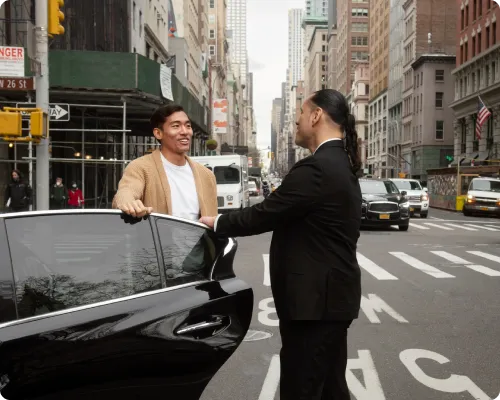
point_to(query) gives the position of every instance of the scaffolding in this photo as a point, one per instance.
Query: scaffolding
(14, 16)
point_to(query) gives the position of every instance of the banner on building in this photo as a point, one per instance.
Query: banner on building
(219, 116)
(166, 82)
(11, 61)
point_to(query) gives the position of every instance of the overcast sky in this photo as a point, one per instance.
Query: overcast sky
(267, 42)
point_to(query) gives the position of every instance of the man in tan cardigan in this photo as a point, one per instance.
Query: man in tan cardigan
(167, 181)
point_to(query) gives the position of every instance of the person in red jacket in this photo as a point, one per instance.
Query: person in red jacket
(75, 196)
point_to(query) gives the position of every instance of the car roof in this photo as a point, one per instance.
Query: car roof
(403, 179)
(375, 179)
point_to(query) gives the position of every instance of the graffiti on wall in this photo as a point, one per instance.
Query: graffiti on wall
(442, 191)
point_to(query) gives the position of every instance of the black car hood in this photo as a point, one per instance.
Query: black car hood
(368, 198)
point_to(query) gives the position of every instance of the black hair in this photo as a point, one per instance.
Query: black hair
(162, 113)
(19, 174)
(335, 105)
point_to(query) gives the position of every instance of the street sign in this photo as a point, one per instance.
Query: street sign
(57, 112)
(16, 84)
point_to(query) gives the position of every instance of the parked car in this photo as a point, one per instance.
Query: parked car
(483, 197)
(383, 204)
(417, 196)
(98, 305)
(252, 188)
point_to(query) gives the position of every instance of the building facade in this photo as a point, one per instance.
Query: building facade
(331, 68)
(218, 48)
(353, 24)
(317, 8)
(432, 122)
(477, 73)
(295, 45)
(430, 27)
(237, 23)
(359, 96)
(317, 54)
(395, 85)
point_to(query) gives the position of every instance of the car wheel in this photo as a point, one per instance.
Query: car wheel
(423, 215)
(403, 228)
(466, 213)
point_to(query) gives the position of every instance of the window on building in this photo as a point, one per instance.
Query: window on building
(212, 50)
(494, 33)
(439, 75)
(487, 37)
(439, 130)
(474, 10)
(212, 3)
(462, 20)
(359, 27)
(480, 7)
(439, 100)
(461, 54)
(473, 47)
(467, 15)
(479, 44)
(212, 33)
(466, 51)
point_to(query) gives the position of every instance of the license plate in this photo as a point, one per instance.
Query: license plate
(384, 216)
(484, 208)
(412, 209)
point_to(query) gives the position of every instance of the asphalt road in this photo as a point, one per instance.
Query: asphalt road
(430, 320)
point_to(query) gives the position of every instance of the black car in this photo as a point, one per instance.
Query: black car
(383, 204)
(98, 305)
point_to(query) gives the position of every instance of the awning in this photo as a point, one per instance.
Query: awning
(483, 156)
(455, 161)
(468, 158)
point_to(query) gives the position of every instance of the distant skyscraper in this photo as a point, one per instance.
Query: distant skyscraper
(316, 8)
(295, 45)
(237, 23)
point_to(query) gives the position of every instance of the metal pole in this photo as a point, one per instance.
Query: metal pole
(124, 135)
(83, 154)
(30, 155)
(42, 101)
(15, 155)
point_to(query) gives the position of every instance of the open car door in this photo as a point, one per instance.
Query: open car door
(96, 305)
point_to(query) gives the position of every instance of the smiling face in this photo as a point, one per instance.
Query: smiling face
(176, 133)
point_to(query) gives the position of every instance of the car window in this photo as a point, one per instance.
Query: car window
(7, 297)
(252, 185)
(189, 251)
(227, 175)
(68, 260)
(485, 185)
(408, 185)
(378, 187)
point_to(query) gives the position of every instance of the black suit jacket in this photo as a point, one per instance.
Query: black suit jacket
(315, 215)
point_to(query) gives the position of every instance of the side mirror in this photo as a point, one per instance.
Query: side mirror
(404, 193)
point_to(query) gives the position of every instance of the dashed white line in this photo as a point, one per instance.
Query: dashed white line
(267, 278)
(426, 268)
(458, 260)
(484, 227)
(461, 227)
(438, 226)
(272, 380)
(419, 226)
(490, 257)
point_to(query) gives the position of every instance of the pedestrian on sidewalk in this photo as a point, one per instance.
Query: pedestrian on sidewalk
(58, 195)
(18, 194)
(75, 196)
(315, 216)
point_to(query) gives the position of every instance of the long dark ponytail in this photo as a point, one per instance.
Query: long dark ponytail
(335, 105)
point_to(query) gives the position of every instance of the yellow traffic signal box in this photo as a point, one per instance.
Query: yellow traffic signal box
(38, 124)
(11, 124)
(56, 17)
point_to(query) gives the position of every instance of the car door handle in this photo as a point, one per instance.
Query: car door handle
(217, 322)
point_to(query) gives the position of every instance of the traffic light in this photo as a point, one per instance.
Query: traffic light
(38, 124)
(449, 159)
(11, 124)
(56, 17)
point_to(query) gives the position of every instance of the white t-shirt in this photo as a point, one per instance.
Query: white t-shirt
(183, 193)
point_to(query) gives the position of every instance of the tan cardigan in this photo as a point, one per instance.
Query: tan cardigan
(145, 179)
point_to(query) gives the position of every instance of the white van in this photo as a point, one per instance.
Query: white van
(231, 174)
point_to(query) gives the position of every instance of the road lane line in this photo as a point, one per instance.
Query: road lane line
(461, 227)
(458, 260)
(272, 380)
(267, 278)
(483, 227)
(438, 226)
(426, 268)
(419, 226)
(490, 257)
(373, 269)
(493, 226)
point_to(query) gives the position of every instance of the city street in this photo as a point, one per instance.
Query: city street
(428, 328)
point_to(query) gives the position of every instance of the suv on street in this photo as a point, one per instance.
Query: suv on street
(383, 204)
(483, 196)
(417, 196)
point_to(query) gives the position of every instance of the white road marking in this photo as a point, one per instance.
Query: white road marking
(426, 268)
(490, 257)
(461, 227)
(436, 218)
(438, 226)
(265, 311)
(373, 304)
(484, 227)
(267, 278)
(373, 269)
(492, 226)
(272, 380)
(419, 226)
(458, 260)
(453, 384)
(370, 389)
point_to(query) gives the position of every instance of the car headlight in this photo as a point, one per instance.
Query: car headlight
(404, 205)
(424, 197)
(470, 198)
(230, 198)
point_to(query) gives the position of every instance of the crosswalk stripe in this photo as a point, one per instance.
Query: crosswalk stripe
(493, 226)
(373, 269)
(267, 278)
(426, 268)
(459, 260)
(419, 226)
(490, 257)
(462, 227)
(438, 226)
(483, 227)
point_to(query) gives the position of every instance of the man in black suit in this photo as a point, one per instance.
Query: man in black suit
(315, 215)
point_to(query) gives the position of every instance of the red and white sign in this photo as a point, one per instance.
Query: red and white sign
(11, 61)
(250, 162)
